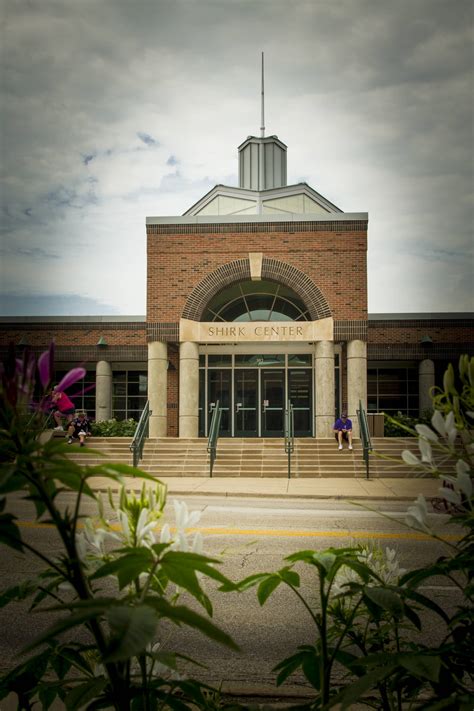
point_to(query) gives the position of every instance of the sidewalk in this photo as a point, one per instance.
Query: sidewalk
(396, 489)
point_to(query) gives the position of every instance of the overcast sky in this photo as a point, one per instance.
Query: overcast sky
(113, 110)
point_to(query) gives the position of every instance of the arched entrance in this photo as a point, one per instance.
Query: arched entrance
(254, 382)
(251, 334)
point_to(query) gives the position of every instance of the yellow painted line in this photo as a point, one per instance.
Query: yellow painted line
(283, 533)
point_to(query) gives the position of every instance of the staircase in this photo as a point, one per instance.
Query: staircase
(252, 457)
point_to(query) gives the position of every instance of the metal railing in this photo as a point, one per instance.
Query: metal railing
(289, 434)
(214, 430)
(365, 436)
(141, 433)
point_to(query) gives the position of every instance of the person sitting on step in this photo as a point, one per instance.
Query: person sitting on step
(79, 428)
(62, 407)
(343, 430)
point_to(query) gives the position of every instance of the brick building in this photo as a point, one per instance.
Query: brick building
(256, 296)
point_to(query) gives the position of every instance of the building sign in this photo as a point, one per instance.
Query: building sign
(256, 331)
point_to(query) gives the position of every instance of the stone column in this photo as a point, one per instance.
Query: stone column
(157, 388)
(356, 380)
(103, 391)
(188, 389)
(324, 380)
(426, 380)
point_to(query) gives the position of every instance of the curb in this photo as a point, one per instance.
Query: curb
(253, 495)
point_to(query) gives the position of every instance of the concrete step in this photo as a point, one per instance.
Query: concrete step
(253, 457)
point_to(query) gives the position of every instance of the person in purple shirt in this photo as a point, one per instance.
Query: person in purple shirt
(343, 430)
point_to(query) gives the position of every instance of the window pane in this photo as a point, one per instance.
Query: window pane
(234, 303)
(215, 361)
(299, 359)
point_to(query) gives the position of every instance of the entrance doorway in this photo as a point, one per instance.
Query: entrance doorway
(254, 399)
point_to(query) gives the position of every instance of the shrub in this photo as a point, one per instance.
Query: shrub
(401, 425)
(114, 428)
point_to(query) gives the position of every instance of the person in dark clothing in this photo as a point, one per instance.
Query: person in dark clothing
(343, 430)
(79, 428)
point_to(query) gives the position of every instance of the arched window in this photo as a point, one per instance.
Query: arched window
(256, 301)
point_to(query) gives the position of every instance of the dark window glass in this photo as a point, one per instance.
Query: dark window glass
(256, 301)
(299, 359)
(216, 361)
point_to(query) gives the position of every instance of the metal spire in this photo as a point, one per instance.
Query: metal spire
(262, 127)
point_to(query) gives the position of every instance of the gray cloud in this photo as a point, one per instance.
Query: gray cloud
(373, 98)
(146, 138)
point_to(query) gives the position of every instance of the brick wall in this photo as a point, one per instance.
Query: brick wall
(334, 260)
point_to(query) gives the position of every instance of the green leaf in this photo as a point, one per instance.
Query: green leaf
(290, 577)
(75, 620)
(289, 665)
(196, 561)
(355, 691)
(362, 569)
(326, 559)
(422, 666)
(426, 602)
(71, 475)
(132, 628)
(181, 614)
(302, 556)
(9, 532)
(18, 592)
(83, 693)
(47, 694)
(27, 676)
(176, 569)
(386, 599)
(411, 615)
(244, 584)
(267, 586)
(310, 666)
(127, 568)
(66, 657)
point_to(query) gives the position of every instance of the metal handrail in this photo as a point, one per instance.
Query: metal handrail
(289, 434)
(214, 430)
(365, 436)
(138, 442)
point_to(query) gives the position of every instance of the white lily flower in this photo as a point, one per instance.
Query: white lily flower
(180, 543)
(193, 519)
(109, 535)
(450, 495)
(81, 546)
(198, 543)
(451, 430)
(125, 524)
(180, 512)
(464, 481)
(410, 458)
(165, 534)
(142, 519)
(184, 519)
(426, 432)
(147, 535)
(65, 586)
(416, 515)
(438, 423)
(425, 449)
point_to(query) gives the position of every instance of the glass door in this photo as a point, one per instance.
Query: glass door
(219, 388)
(245, 403)
(300, 395)
(272, 402)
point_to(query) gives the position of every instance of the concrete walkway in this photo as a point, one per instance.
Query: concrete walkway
(401, 489)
